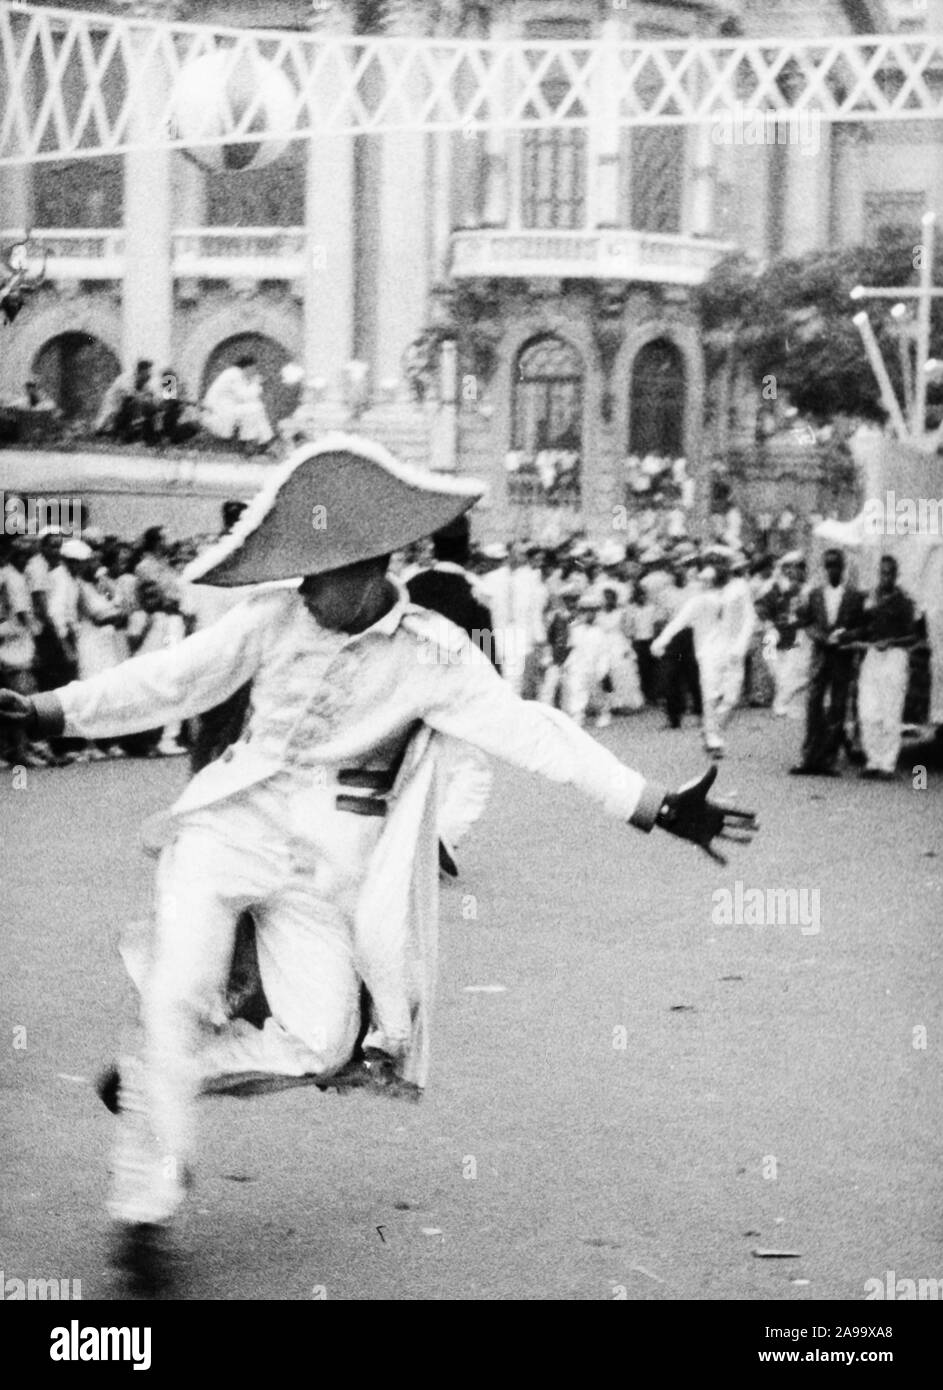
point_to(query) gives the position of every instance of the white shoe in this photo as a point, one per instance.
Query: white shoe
(603, 721)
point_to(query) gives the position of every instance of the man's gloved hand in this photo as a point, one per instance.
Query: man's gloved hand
(14, 709)
(688, 814)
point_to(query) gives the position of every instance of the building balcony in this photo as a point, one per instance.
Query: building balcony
(602, 254)
(202, 253)
(88, 254)
(239, 253)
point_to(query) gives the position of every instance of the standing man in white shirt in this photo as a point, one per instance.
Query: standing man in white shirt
(517, 597)
(722, 620)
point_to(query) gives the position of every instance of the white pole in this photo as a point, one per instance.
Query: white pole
(863, 325)
(923, 325)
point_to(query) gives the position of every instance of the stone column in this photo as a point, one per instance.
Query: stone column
(605, 133)
(702, 153)
(849, 157)
(808, 159)
(403, 213)
(189, 193)
(330, 215)
(147, 298)
(443, 217)
(498, 151)
(741, 195)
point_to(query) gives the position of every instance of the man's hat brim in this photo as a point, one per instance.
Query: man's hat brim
(333, 503)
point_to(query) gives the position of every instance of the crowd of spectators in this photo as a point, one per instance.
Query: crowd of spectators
(143, 407)
(72, 606)
(572, 624)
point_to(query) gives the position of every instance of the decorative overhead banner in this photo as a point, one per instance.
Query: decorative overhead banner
(75, 85)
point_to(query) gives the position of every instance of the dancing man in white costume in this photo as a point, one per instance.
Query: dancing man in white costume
(722, 619)
(293, 823)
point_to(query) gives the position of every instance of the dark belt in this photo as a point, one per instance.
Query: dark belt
(378, 780)
(375, 781)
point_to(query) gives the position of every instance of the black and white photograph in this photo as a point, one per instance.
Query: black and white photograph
(471, 667)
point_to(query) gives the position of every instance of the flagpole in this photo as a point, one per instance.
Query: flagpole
(923, 323)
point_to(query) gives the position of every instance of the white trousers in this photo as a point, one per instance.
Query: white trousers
(791, 676)
(721, 688)
(882, 690)
(582, 688)
(247, 419)
(299, 864)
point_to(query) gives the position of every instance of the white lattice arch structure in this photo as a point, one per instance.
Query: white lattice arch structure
(111, 67)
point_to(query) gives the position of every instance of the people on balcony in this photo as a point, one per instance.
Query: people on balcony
(233, 407)
(129, 411)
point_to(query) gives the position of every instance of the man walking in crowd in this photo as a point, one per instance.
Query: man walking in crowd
(516, 596)
(680, 681)
(780, 606)
(831, 616)
(341, 900)
(887, 635)
(721, 619)
(560, 618)
(586, 668)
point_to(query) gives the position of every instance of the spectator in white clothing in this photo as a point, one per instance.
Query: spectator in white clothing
(233, 407)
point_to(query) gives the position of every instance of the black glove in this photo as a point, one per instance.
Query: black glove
(689, 815)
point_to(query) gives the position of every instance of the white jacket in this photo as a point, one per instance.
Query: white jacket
(326, 701)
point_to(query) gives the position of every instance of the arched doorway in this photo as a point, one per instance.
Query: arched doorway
(280, 399)
(76, 369)
(547, 439)
(657, 401)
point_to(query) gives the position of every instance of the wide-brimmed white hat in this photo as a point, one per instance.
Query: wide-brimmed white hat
(332, 503)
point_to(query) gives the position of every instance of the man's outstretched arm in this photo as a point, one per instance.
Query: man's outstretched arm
(159, 688)
(685, 617)
(471, 702)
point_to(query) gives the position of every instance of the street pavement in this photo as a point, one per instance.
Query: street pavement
(628, 1095)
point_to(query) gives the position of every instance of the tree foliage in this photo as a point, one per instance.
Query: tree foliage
(792, 319)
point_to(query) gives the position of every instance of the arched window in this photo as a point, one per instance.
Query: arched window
(656, 406)
(547, 438)
(280, 399)
(76, 369)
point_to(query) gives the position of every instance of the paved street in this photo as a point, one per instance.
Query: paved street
(766, 1091)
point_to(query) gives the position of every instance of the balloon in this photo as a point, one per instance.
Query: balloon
(210, 99)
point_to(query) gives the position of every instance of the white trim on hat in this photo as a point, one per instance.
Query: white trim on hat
(335, 442)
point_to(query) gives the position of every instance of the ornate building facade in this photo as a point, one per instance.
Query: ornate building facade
(516, 303)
